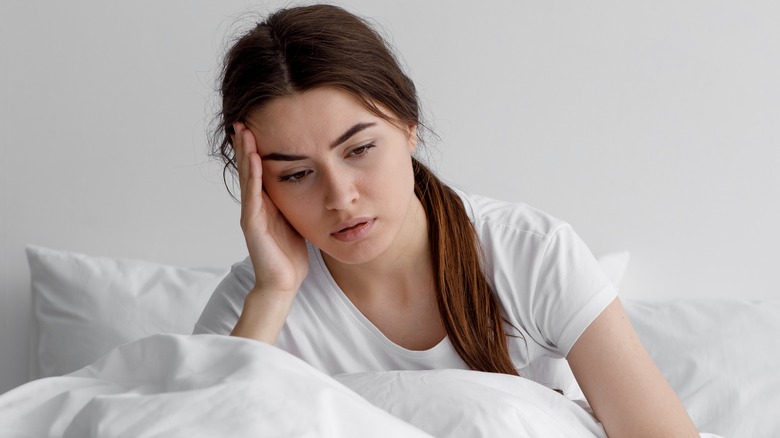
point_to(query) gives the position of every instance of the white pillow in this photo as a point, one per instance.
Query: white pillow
(721, 357)
(614, 265)
(83, 306)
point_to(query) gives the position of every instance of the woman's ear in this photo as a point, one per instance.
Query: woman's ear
(412, 138)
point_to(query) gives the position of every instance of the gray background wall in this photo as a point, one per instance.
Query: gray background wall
(650, 126)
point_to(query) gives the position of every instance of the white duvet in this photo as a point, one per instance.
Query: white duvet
(209, 386)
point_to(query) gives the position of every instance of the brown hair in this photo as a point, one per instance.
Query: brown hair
(302, 48)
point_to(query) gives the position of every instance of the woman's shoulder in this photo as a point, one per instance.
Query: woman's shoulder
(490, 213)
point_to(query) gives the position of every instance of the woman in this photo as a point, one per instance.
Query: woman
(361, 259)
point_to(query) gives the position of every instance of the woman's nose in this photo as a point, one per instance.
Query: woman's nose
(340, 190)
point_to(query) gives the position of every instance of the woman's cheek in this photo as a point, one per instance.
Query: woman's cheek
(295, 207)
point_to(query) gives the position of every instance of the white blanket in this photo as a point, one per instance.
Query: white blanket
(207, 386)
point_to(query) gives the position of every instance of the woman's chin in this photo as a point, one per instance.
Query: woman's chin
(355, 254)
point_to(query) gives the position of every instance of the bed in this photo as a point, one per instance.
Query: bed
(112, 356)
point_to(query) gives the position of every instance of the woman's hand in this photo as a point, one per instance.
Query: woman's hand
(278, 253)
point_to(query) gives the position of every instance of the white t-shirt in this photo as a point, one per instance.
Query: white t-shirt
(547, 280)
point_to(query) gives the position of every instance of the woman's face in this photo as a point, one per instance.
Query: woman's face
(340, 175)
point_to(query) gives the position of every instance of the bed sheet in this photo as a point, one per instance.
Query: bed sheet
(194, 386)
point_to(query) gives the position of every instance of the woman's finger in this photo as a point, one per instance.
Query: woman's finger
(253, 164)
(252, 200)
(251, 179)
(244, 147)
(236, 141)
(249, 149)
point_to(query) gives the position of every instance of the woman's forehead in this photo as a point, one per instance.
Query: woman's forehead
(312, 106)
(308, 118)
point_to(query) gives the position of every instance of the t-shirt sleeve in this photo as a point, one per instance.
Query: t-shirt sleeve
(570, 290)
(225, 305)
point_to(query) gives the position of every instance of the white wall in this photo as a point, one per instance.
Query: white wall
(650, 126)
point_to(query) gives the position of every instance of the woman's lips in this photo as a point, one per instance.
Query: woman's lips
(354, 229)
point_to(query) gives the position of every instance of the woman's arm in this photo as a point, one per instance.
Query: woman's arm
(278, 252)
(627, 392)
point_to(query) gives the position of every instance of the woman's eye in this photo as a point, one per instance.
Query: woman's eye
(295, 177)
(361, 150)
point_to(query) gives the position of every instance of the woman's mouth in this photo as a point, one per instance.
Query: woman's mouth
(354, 229)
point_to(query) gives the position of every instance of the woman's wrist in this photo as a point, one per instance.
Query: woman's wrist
(264, 314)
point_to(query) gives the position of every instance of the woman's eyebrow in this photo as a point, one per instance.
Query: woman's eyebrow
(275, 156)
(350, 132)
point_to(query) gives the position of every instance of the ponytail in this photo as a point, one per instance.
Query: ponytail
(469, 310)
